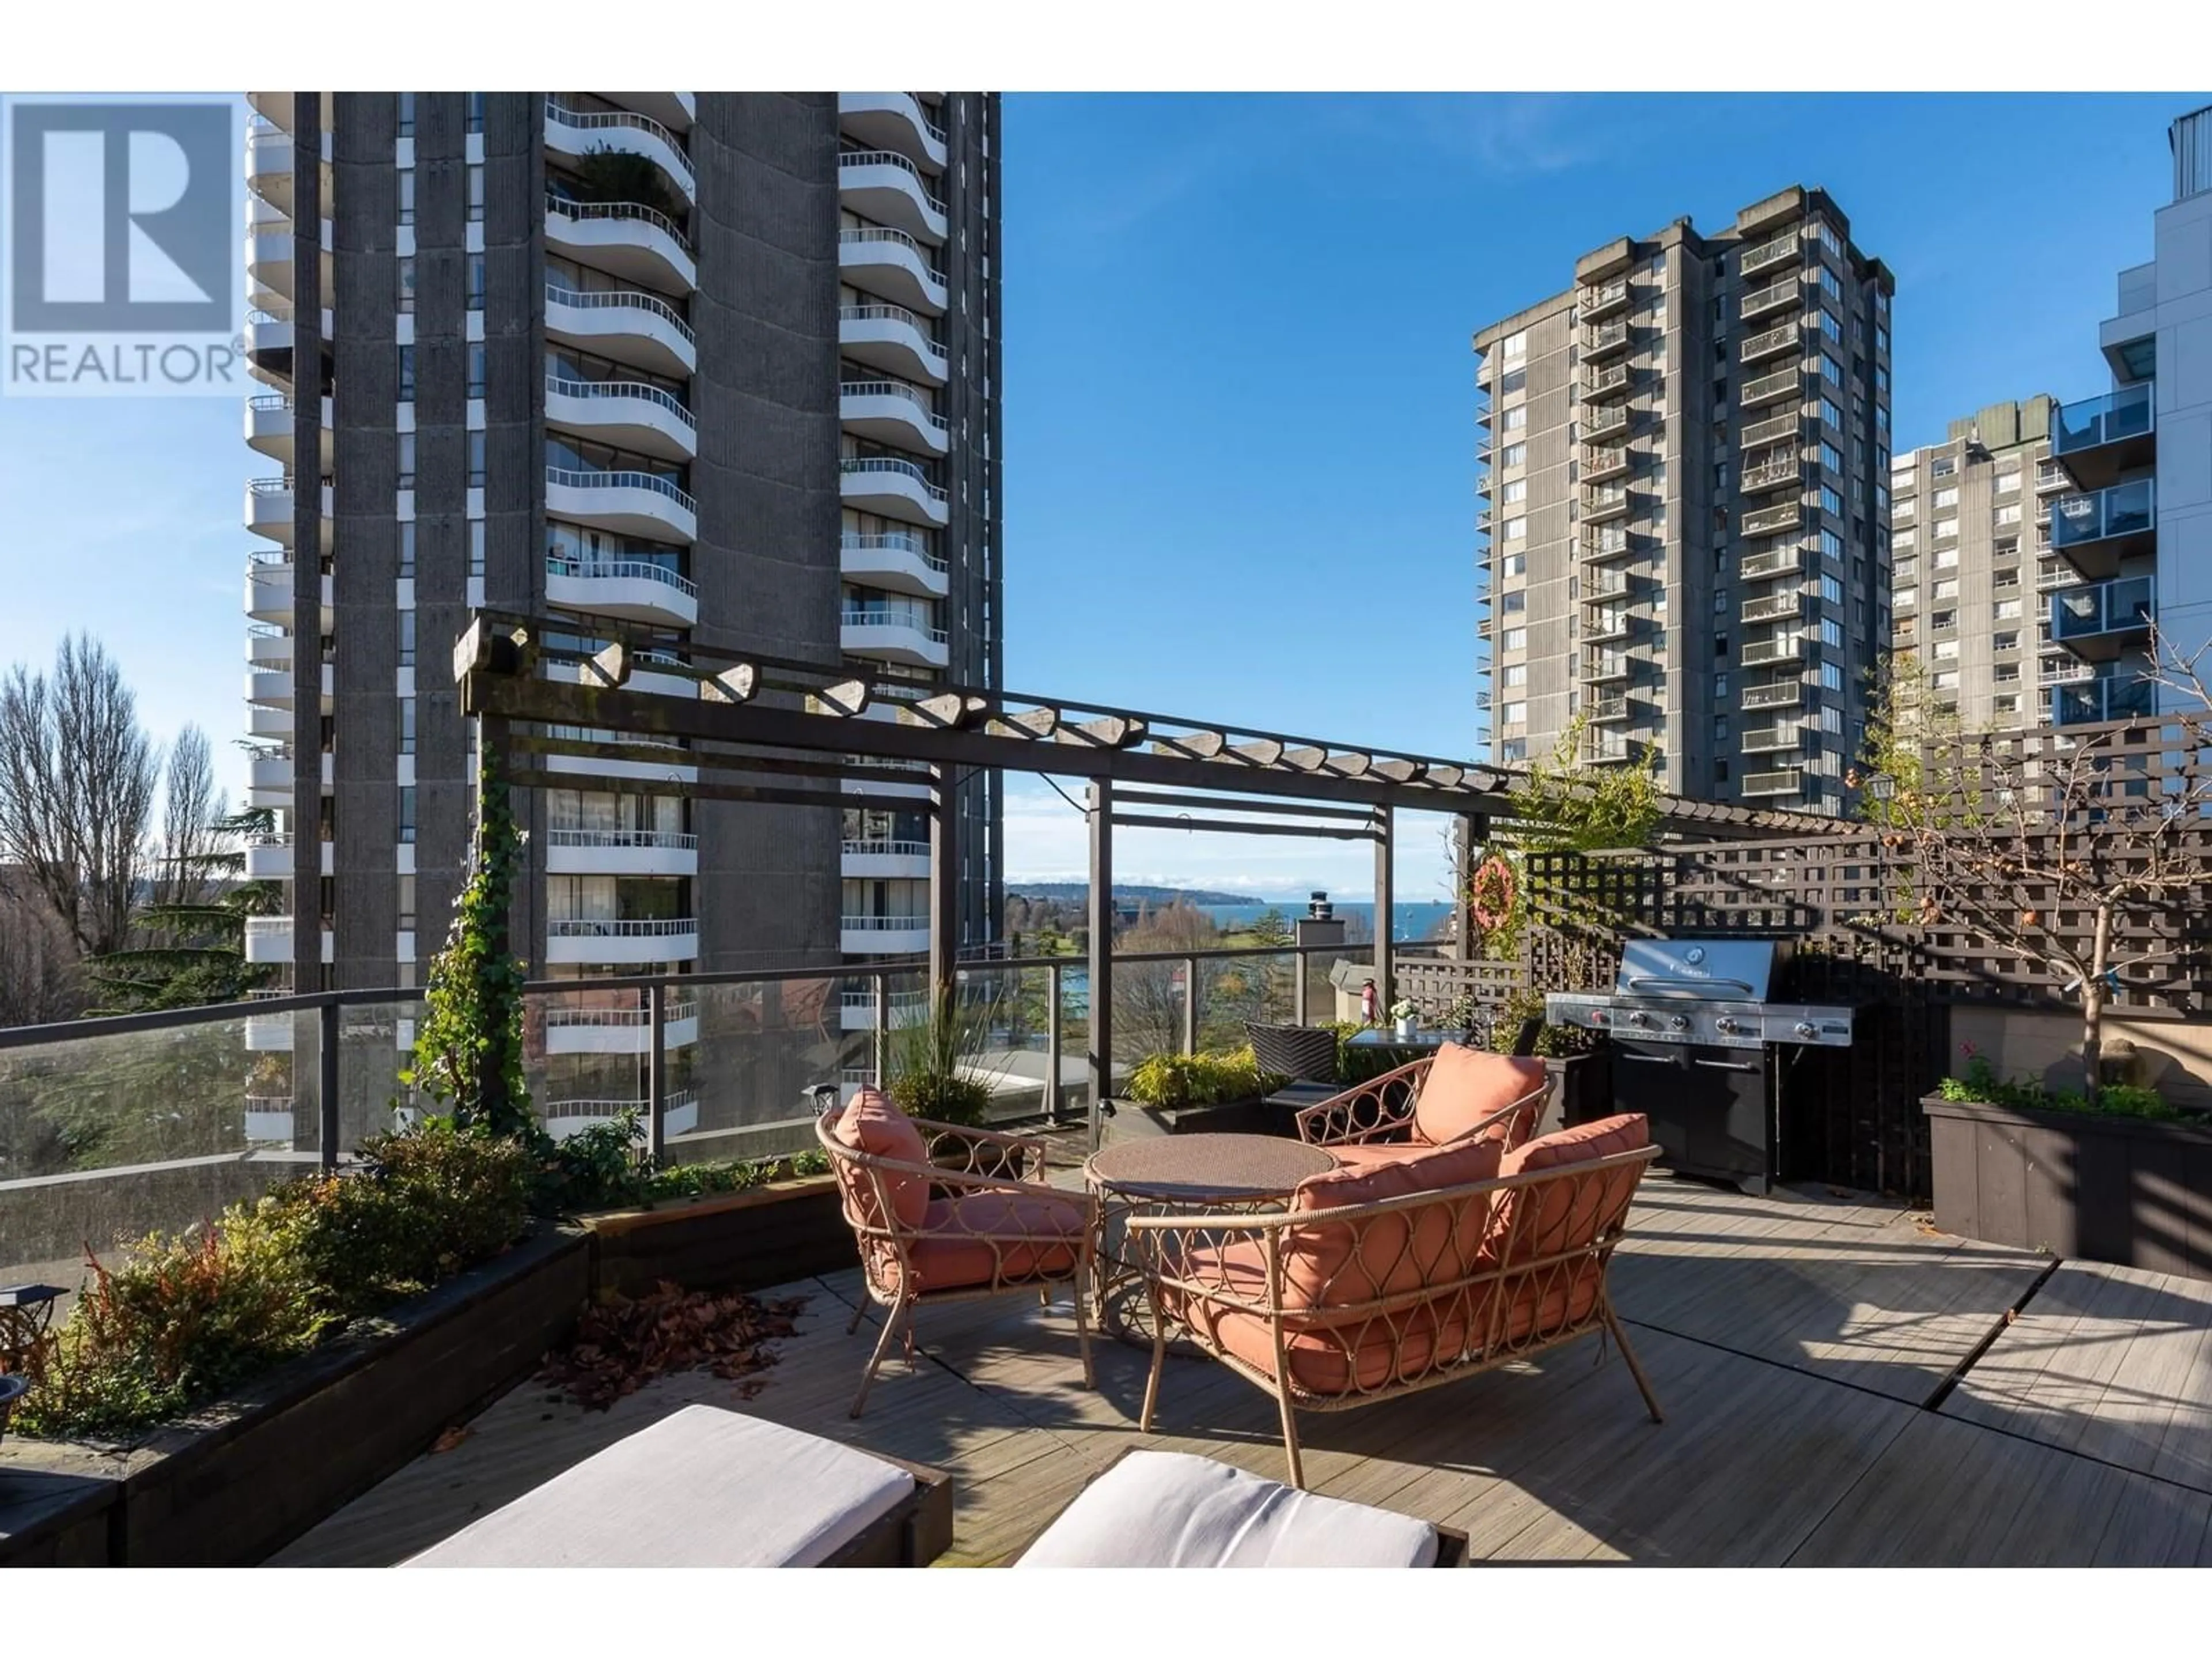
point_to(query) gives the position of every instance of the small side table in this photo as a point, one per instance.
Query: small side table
(1176, 1173)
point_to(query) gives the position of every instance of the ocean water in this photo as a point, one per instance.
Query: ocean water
(1415, 919)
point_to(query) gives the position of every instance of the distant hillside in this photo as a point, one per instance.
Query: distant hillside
(1078, 892)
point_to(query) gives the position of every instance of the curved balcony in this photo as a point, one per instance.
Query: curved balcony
(621, 1032)
(268, 1117)
(882, 184)
(268, 940)
(269, 340)
(621, 943)
(2094, 532)
(892, 265)
(268, 584)
(275, 689)
(268, 647)
(896, 489)
(894, 339)
(641, 678)
(275, 725)
(896, 561)
(679, 1113)
(628, 239)
(856, 1010)
(883, 936)
(271, 159)
(271, 255)
(886, 860)
(270, 428)
(573, 133)
(628, 324)
(892, 412)
(893, 636)
(630, 415)
(627, 503)
(893, 121)
(648, 760)
(677, 110)
(636, 590)
(276, 108)
(621, 853)
(268, 510)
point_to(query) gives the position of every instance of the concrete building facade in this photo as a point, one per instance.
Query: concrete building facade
(725, 366)
(1683, 514)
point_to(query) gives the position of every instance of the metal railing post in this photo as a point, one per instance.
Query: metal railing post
(1190, 1004)
(1052, 1044)
(1302, 962)
(882, 1026)
(656, 1071)
(327, 1066)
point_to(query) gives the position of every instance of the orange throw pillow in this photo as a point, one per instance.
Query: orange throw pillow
(874, 1125)
(1466, 1085)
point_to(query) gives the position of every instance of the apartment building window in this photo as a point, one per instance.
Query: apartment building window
(2003, 579)
(1512, 381)
(2008, 481)
(1514, 345)
(1946, 558)
(1516, 530)
(1517, 674)
(1516, 418)
(1944, 528)
(1831, 631)
(2007, 609)
(406, 288)
(476, 358)
(2008, 640)
(1831, 589)
(477, 548)
(407, 461)
(1831, 502)
(1947, 588)
(406, 904)
(1946, 496)
(406, 725)
(1831, 678)
(406, 196)
(2010, 512)
(476, 195)
(1515, 603)
(476, 461)
(1515, 564)
(1880, 340)
(1516, 639)
(1720, 644)
(1881, 379)
(1831, 719)
(1513, 455)
(474, 113)
(476, 290)
(1832, 546)
(1515, 490)
(406, 116)
(1830, 415)
(1828, 325)
(1516, 714)
(407, 550)
(407, 815)
(407, 639)
(407, 375)
(1831, 458)
(1945, 679)
(1904, 540)
(1831, 371)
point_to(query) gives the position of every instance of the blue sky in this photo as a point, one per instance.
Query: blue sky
(1239, 432)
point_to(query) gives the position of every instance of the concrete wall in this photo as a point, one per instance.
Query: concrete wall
(2176, 1055)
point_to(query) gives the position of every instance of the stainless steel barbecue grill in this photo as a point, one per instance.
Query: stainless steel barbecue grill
(1699, 1049)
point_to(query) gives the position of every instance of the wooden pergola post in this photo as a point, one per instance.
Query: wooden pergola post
(1468, 831)
(1100, 802)
(943, 889)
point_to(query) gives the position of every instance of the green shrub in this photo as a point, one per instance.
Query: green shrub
(702, 1180)
(1552, 1042)
(1982, 1083)
(1201, 1079)
(598, 1168)
(1357, 1066)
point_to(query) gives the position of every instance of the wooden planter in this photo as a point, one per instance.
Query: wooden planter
(2133, 1191)
(769, 1234)
(246, 1475)
(1133, 1120)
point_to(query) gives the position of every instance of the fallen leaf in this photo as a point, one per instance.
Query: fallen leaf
(451, 1438)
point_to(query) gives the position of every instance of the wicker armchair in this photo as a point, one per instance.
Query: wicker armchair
(1477, 1093)
(1304, 1053)
(1361, 1291)
(943, 1213)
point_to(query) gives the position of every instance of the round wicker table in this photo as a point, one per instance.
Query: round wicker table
(1173, 1173)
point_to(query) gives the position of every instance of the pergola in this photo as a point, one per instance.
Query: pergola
(774, 731)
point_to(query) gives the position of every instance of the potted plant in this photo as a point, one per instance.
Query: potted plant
(1406, 1016)
(1220, 1090)
(940, 1069)
(1576, 1060)
(2125, 1178)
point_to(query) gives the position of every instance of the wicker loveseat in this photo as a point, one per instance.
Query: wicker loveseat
(1454, 1093)
(1376, 1281)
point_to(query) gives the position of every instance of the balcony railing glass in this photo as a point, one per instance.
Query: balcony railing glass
(2124, 509)
(2113, 607)
(2126, 413)
(2094, 701)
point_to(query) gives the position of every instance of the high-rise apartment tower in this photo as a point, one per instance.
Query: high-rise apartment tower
(1684, 504)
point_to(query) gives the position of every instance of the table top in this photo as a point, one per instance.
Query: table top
(1199, 1167)
(1384, 1036)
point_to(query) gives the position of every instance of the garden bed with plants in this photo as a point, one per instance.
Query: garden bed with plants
(2125, 1178)
(1221, 1091)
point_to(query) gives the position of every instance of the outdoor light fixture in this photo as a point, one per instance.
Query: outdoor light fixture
(1882, 786)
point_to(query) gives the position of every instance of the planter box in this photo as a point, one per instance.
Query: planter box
(249, 1473)
(2126, 1190)
(1132, 1120)
(743, 1240)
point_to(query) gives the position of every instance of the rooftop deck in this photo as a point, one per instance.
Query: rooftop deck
(1843, 1386)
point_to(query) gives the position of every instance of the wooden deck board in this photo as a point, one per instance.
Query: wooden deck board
(1748, 1314)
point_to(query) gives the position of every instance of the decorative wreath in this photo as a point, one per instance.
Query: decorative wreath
(1492, 895)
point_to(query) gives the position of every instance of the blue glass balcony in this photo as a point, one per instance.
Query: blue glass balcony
(2094, 702)
(2093, 532)
(2099, 620)
(2099, 439)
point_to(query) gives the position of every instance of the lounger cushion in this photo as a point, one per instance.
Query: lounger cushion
(1172, 1509)
(1466, 1085)
(871, 1123)
(1037, 1237)
(701, 1488)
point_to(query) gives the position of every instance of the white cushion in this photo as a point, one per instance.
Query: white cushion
(1172, 1509)
(703, 1488)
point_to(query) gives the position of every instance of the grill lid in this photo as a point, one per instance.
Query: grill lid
(1705, 969)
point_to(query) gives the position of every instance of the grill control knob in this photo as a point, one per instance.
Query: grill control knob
(1598, 1016)
(1639, 1018)
(1725, 1025)
(1805, 1028)
(1680, 1022)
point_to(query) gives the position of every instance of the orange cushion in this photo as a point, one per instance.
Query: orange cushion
(874, 1125)
(976, 1239)
(1401, 1346)
(1346, 1264)
(1569, 1210)
(1466, 1085)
